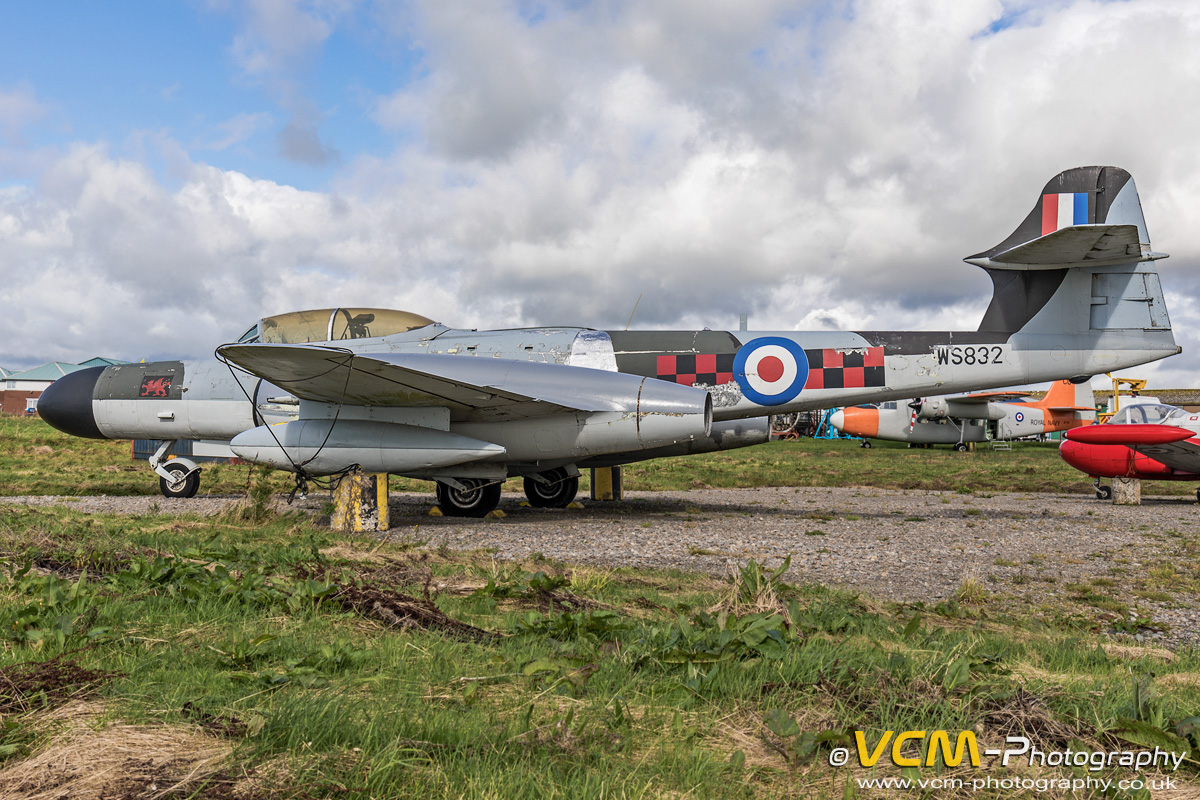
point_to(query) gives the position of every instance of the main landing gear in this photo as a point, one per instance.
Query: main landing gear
(1105, 492)
(472, 497)
(475, 497)
(553, 489)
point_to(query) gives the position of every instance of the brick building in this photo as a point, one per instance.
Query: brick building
(20, 390)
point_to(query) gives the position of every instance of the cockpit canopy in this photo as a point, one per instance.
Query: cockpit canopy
(332, 325)
(1148, 414)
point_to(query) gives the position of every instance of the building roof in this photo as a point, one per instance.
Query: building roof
(46, 372)
(56, 369)
(101, 361)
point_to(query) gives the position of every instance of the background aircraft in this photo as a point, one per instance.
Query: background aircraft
(1148, 441)
(959, 420)
(1074, 294)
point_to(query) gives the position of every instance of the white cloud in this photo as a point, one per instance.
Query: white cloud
(19, 108)
(817, 165)
(235, 130)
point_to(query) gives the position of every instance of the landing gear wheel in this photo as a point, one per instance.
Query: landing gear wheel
(960, 447)
(558, 493)
(180, 486)
(476, 500)
(1105, 492)
(1198, 495)
(866, 443)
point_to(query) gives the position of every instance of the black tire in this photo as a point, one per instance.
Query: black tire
(866, 443)
(1105, 493)
(1198, 495)
(181, 486)
(959, 447)
(558, 493)
(476, 501)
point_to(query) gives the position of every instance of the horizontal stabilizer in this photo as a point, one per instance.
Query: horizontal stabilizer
(1129, 435)
(1082, 245)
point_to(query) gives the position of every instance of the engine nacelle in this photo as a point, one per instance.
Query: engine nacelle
(934, 408)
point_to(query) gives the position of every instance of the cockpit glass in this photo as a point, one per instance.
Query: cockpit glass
(1145, 414)
(333, 324)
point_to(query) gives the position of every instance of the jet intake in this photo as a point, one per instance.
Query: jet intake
(324, 447)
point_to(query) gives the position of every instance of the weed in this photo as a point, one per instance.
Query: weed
(971, 591)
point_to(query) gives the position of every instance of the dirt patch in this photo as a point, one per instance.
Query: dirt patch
(43, 684)
(399, 610)
(1026, 714)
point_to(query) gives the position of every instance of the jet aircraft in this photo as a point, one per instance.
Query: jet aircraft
(318, 393)
(1148, 441)
(959, 420)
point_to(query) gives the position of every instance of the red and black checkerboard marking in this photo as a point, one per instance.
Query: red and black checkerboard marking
(856, 369)
(710, 369)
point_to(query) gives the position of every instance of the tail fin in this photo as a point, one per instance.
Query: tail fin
(1068, 396)
(1089, 218)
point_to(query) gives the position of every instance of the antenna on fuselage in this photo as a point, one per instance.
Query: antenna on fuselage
(631, 313)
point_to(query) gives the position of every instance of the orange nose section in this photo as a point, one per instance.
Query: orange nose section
(862, 422)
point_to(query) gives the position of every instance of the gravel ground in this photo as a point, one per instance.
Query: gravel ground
(898, 545)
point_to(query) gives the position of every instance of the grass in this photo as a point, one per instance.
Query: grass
(315, 666)
(34, 454)
(258, 655)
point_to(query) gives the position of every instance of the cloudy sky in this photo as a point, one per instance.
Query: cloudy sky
(171, 172)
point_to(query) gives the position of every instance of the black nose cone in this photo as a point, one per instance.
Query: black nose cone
(67, 403)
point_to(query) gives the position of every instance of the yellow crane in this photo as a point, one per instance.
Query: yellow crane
(1135, 385)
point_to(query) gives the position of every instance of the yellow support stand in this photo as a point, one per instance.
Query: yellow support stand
(360, 502)
(606, 483)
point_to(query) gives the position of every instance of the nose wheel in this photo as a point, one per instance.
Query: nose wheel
(1105, 492)
(473, 497)
(182, 482)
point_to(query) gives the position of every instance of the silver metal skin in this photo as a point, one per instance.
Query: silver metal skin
(1073, 297)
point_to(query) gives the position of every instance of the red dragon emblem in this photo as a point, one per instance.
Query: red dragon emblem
(155, 387)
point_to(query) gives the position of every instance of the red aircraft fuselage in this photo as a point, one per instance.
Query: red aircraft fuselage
(1127, 449)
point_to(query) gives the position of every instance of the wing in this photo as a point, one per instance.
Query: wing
(472, 388)
(989, 397)
(1180, 456)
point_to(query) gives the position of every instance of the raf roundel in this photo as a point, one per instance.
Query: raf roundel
(771, 370)
(1020, 417)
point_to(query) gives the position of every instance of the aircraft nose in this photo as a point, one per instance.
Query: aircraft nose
(66, 404)
(837, 419)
